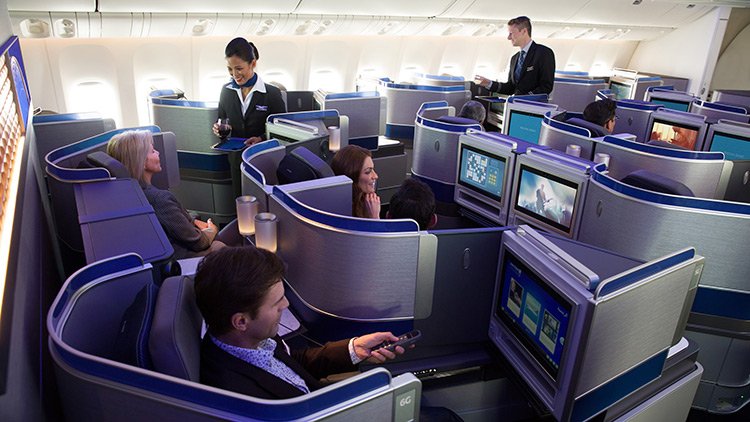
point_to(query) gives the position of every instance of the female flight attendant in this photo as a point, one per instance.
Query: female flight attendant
(246, 101)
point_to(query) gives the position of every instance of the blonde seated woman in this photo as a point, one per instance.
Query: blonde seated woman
(190, 237)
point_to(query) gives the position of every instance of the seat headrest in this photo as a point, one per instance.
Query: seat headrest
(131, 344)
(596, 130)
(175, 336)
(300, 165)
(102, 159)
(457, 120)
(665, 144)
(657, 183)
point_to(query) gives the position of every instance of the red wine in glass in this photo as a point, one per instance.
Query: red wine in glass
(225, 129)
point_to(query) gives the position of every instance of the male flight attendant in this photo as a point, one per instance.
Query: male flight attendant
(532, 70)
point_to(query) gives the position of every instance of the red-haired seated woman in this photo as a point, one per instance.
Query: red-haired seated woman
(356, 163)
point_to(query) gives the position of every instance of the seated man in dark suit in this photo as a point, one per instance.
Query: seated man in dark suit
(414, 200)
(241, 296)
(532, 70)
(602, 113)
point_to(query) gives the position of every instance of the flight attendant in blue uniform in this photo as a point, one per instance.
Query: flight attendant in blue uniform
(246, 101)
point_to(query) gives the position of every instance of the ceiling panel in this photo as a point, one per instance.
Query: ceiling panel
(537, 10)
(52, 5)
(417, 8)
(197, 6)
(648, 13)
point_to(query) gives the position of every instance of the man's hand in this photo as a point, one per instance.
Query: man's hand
(363, 347)
(482, 81)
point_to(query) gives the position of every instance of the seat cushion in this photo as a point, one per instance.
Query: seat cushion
(175, 337)
(131, 345)
(665, 144)
(102, 159)
(656, 183)
(596, 130)
(457, 120)
(300, 165)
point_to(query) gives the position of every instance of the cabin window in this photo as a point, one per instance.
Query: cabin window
(95, 96)
(327, 80)
(144, 89)
(210, 88)
(279, 77)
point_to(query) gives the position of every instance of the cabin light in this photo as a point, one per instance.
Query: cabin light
(484, 30)
(388, 27)
(65, 28)
(202, 27)
(323, 27)
(265, 27)
(584, 33)
(304, 28)
(453, 29)
(34, 28)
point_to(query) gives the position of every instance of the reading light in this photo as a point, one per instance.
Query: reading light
(203, 27)
(265, 27)
(35, 28)
(65, 28)
(453, 29)
(584, 33)
(387, 27)
(304, 28)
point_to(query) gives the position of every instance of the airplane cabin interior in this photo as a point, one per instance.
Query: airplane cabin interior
(574, 269)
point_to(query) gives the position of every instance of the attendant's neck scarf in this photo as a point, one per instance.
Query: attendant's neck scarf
(249, 84)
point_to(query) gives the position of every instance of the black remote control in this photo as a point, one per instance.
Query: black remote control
(404, 340)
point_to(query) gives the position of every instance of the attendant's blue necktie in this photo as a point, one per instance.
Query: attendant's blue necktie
(519, 66)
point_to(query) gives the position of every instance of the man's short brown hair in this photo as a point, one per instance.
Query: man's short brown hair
(522, 22)
(233, 280)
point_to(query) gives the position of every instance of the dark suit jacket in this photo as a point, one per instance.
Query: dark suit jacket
(253, 123)
(187, 239)
(537, 75)
(222, 370)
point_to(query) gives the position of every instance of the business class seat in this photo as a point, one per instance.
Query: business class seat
(435, 153)
(175, 335)
(78, 196)
(302, 164)
(665, 144)
(595, 129)
(654, 182)
(101, 159)
(84, 323)
(560, 135)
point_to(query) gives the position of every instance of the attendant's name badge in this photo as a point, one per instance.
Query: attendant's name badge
(261, 108)
(530, 68)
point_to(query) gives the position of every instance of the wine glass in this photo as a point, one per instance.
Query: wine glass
(225, 129)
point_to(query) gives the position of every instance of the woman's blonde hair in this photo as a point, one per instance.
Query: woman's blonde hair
(131, 148)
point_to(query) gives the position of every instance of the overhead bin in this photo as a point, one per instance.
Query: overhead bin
(195, 6)
(53, 5)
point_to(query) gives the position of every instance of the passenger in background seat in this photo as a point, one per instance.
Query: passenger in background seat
(189, 237)
(473, 110)
(356, 163)
(602, 113)
(414, 200)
